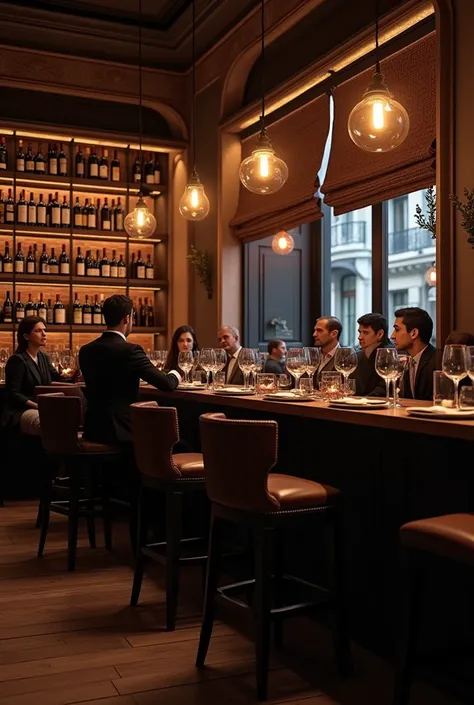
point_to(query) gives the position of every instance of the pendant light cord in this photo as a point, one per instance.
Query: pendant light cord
(377, 49)
(193, 107)
(262, 67)
(140, 118)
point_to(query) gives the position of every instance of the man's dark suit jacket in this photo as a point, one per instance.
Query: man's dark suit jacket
(424, 377)
(274, 367)
(236, 376)
(22, 375)
(368, 382)
(112, 369)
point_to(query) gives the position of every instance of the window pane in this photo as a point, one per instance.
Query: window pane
(411, 253)
(351, 269)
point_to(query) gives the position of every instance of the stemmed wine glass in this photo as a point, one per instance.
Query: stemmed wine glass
(313, 357)
(207, 360)
(455, 367)
(4, 355)
(386, 366)
(345, 362)
(220, 362)
(403, 362)
(296, 364)
(67, 362)
(246, 363)
(470, 362)
(185, 363)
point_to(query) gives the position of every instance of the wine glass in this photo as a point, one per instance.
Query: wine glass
(470, 361)
(185, 363)
(345, 362)
(313, 355)
(246, 363)
(386, 366)
(4, 355)
(455, 367)
(67, 363)
(296, 364)
(221, 359)
(207, 360)
(403, 362)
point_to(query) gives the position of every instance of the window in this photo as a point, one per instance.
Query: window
(398, 217)
(398, 299)
(348, 310)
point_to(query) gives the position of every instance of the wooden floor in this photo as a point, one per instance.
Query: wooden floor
(72, 638)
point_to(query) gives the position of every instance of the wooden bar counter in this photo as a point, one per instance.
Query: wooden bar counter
(390, 467)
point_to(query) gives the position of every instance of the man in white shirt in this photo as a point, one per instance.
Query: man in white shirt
(412, 332)
(326, 334)
(229, 340)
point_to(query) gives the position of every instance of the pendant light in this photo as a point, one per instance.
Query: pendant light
(263, 172)
(378, 123)
(283, 243)
(140, 223)
(430, 275)
(194, 204)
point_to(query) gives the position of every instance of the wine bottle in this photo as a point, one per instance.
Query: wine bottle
(85, 213)
(101, 304)
(104, 264)
(35, 257)
(30, 308)
(39, 160)
(104, 165)
(3, 157)
(2, 208)
(150, 170)
(49, 313)
(137, 170)
(134, 314)
(9, 208)
(89, 264)
(80, 264)
(8, 309)
(7, 260)
(149, 269)
(77, 311)
(92, 217)
(96, 312)
(20, 157)
(62, 161)
(48, 210)
(53, 263)
(31, 210)
(77, 214)
(29, 160)
(65, 214)
(30, 262)
(41, 211)
(150, 314)
(97, 264)
(93, 163)
(19, 260)
(22, 210)
(55, 210)
(105, 223)
(157, 171)
(115, 167)
(79, 169)
(44, 261)
(19, 309)
(87, 312)
(42, 308)
(121, 268)
(133, 267)
(53, 160)
(64, 266)
(140, 267)
(114, 265)
(118, 216)
(141, 313)
(59, 311)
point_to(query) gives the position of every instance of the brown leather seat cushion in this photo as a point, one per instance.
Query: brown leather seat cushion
(450, 536)
(93, 447)
(297, 493)
(189, 464)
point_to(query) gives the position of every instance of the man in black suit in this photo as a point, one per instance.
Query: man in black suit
(275, 363)
(412, 332)
(229, 339)
(112, 370)
(373, 334)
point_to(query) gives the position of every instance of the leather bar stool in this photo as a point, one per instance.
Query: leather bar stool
(238, 457)
(155, 432)
(83, 461)
(449, 537)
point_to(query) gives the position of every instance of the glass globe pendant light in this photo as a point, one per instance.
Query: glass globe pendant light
(283, 243)
(140, 223)
(263, 172)
(378, 123)
(194, 204)
(430, 275)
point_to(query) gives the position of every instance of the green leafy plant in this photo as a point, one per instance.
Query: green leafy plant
(428, 221)
(466, 208)
(201, 261)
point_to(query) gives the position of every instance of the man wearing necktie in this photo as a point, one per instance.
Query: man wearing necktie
(412, 332)
(229, 340)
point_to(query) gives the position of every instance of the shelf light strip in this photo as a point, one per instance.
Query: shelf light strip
(64, 186)
(89, 141)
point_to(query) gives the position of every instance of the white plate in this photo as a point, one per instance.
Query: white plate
(287, 396)
(359, 403)
(193, 385)
(440, 412)
(235, 391)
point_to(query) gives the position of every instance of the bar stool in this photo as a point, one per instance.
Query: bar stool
(155, 431)
(238, 457)
(447, 537)
(83, 461)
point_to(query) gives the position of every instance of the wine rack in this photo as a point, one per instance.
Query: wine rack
(72, 187)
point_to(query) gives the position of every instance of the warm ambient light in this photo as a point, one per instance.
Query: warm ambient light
(140, 223)
(194, 204)
(283, 243)
(431, 276)
(263, 172)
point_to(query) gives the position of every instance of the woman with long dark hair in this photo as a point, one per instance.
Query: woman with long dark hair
(184, 338)
(26, 369)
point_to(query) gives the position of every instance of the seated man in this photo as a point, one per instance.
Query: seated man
(112, 370)
(412, 332)
(276, 355)
(229, 339)
(373, 334)
(326, 334)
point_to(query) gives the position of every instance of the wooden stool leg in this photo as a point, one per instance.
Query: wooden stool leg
(279, 582)
(73, 519)
(90, 520)
(174, 528)
(142, 532)
(43, 515)
(212, 578)
(343, 639)
(413, 592)
(262, 605)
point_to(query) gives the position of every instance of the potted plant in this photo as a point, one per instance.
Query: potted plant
(466, 208)
(428, 221)
(201, 260)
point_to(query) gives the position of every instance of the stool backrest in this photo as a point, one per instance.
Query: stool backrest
(238, 455)
(155, 431)
(69, 390)
(60, 419)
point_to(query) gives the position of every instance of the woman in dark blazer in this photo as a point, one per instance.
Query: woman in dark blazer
(184, 338)
(26, 369)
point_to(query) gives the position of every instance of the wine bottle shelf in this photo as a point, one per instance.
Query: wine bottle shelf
(83, 282)
(66, 328)
(64, 182)
(61, 233)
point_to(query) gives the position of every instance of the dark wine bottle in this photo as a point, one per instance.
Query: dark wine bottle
(118, 216)
(105, 222)
(93, 164)
(104, 264)
(149, 269)
(31, 210)
(80, 264)
(9, 208)
(140, 267)
(20, 157)
(29, 160)
(62, 161)
(19, 309)
(137, 170)
(65, 214)
(30, 308)
(44, 261)
(92, 217)
(96, 312)
(87, 312)
(157, 171)
(55, 210)
(7, 260)
(104, 165)
(90, 267)
(19, 260)
(41, 211)
(59, 311)
(115, 167)
(121, 268)
(64, 265)
(53, 263)
(77, 214)
(2, 208)
(53, 160)
(77, 311)
(22, 210)
(30, 262)
(49, 313)
(150, 170)
(133, 267)
(42, 308)
(8, 309)
(114, 265)
(39, 160)
(3, 155)
(80, 171)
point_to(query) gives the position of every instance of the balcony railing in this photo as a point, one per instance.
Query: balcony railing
(412, 240)
(350, 233)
